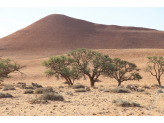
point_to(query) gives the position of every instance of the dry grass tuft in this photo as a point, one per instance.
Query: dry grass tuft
(51, 96)
(140, 90)
(5, 95)
(28, 91)
(37, 101)
(119, 90)
(43, 90)
(80, 90)
(146, 87)
(76, 86)
(125, 103)
(8, 87)
(69, 93)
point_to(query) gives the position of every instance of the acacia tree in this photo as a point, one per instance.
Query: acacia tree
(60, 66)
(123, 71)
(7, 67)
(90, 63)
(155, 67)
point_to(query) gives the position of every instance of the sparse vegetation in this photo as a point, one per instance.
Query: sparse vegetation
(60, 86)
(76, 86)
(147, 93)
(51, 96)
(5, 95)
(146, 86)
(119, 90)
(28, 91)
(106, 90)
(37, 101)
(155, 67)
(8, 87)
(140, 90)
(43, 90)
(160, 91)
(80, 90)
(101, 89)
(69, 93)
(125, 103)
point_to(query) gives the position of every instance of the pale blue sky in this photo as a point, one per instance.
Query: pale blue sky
(16, 18)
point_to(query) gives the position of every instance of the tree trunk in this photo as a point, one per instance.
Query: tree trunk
(119, 83)
(70, 81)
(159, 82)
(92, 82)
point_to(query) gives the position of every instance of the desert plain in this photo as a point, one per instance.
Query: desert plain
(90, 103)
(57, 35)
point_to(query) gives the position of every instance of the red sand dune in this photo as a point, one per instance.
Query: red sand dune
(57, 34)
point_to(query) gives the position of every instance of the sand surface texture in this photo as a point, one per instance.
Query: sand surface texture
(59, 34)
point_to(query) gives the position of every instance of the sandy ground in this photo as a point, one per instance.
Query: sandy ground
(90, 103)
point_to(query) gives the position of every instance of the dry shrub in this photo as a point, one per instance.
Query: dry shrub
(101, 89)
(51, 96)
(37, 101)
(140, 90)
(160, 91)
(76, 86)
(28, 91)
(155, 85)
(5, 95)
(147, 93)
(43, 90)
(69, 93)
(65, 82)
(146, 86)
(80, 90)
(119, 90)
(29, 87)
(60, 86)
(125, 103)
(106, 90)
(8, 87)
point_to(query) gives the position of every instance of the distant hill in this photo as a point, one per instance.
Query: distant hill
(57, 34)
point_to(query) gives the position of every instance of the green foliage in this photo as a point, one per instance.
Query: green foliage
(60, 66)
(123, 71)
(155, 67)
(90, 63)
(7, 67)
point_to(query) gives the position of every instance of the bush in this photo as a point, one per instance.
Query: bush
(29, 91)
(80, 90)
(51, 96)
(160, 91)
(8, 87)
(101, 89)
(65, 82)
(106, 90)
(60, 86)
(76, 86)
(146, 92)
(119, 90)
(69, 93)
(43, 90)
(5, 95)
(37, 101)
(29, 87)
(145, 86)
(155, 85)
(125, 103)
(136, 85)
(140, 90)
